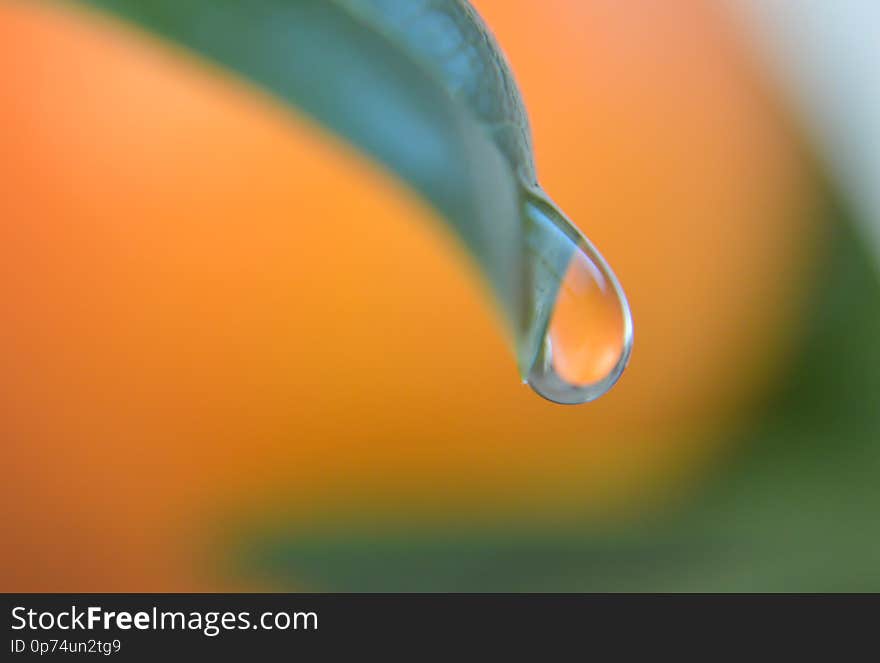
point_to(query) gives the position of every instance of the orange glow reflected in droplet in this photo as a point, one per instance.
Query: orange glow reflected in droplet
(587, 329)
(588, 339)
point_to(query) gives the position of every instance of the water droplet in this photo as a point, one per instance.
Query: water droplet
(584, 337)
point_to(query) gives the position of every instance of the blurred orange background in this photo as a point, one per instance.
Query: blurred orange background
(215, 312)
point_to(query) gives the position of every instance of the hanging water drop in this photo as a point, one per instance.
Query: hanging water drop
(583, 341)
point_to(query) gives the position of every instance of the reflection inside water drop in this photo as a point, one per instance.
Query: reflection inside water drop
(587, 335)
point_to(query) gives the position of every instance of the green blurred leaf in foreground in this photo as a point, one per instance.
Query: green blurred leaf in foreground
(797, 511)
(419, 85)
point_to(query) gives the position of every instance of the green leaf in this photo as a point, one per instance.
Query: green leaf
(420, 86)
